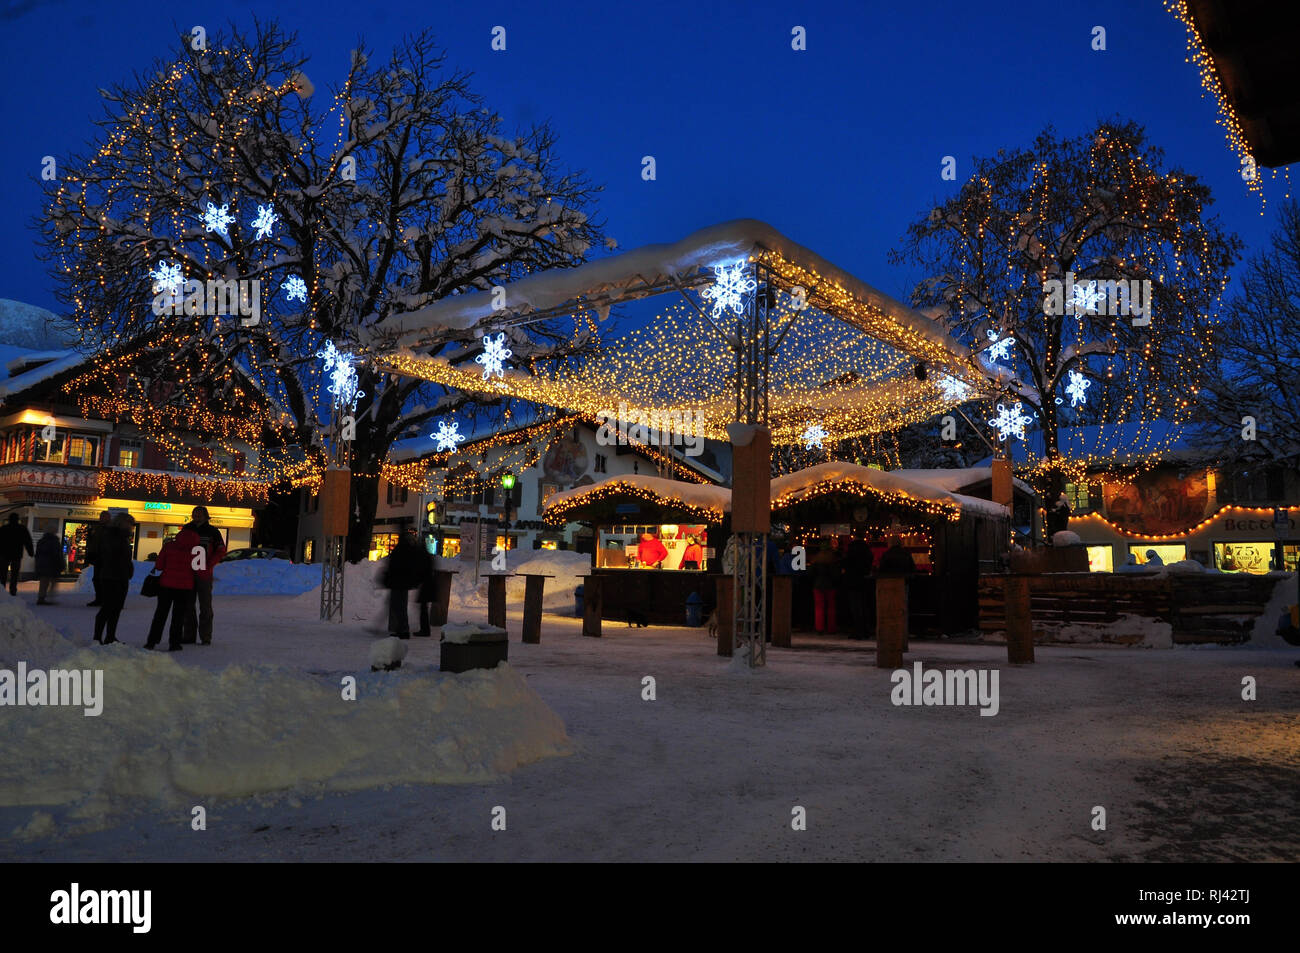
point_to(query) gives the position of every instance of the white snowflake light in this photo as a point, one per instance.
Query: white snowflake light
(448, 436)
(813, 436)
(167, 278)
(218, 219)
(999, 350)
(1010, 422)
(266, 217)
(728, 291)
(1086, 298)
(494, 355)
(341, 367)
(295, 288)
(955, 390)
(1077, 388)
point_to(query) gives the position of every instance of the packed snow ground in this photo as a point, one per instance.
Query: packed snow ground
(714, 766)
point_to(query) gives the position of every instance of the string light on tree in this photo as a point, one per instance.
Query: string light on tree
(494, 355)
(729, 288)
(218, 219)
(1010, 421)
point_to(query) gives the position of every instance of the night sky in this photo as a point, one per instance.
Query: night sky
(839, 147)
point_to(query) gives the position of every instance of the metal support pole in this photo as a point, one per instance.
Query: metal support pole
(332, 563)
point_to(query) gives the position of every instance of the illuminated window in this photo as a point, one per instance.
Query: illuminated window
(1168, 552)
(82, 450)
(128, 453)
(1077, 495)
(1101, 559)
(48, 451)
(508, 542)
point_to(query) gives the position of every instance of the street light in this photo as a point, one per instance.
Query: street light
(507, 484)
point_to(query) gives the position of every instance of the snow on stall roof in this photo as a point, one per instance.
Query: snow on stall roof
(717, 498)
(797, 485)
(623, 277)
(956, 479)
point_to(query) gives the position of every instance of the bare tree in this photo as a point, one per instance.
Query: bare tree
(1096, 208)
(398, 189)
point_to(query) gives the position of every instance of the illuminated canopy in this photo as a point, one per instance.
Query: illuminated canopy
(846, 355)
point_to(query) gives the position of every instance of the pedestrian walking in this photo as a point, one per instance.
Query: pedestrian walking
(175, 588)
(113, 571)
(92, 553)
(49, 566)
(401, 575)
(198, 622)
(14, 539)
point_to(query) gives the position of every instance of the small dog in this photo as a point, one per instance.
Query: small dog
(713, 624)
(636, 616)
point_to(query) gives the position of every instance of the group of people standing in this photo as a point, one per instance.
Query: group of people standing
(184, 565)
(410, 567)
(847, 577)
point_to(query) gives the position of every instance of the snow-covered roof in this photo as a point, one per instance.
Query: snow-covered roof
(55, 363)
(706, 502)
(816, 480)
(957, 479)
(657, 269)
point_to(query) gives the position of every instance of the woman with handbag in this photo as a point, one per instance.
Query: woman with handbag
(176, 588)
(113, 571)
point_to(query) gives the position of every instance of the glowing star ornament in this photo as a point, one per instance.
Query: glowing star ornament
(955, 390)
(295, 288)
(1086, 298)
(266, 218)
(813, 436)
(448, 436)
(1010, 422)
(218, 219)
(999, 350)
(342, 371)
(1076, 389)
(167, 278)
(728, 291)
(494, 355)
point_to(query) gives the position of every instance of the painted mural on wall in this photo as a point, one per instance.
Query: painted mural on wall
(1158, 502)
(565, 461)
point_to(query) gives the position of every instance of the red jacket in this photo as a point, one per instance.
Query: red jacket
(650, 551)
(175, 561)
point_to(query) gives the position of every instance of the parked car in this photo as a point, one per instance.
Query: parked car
(256, 552)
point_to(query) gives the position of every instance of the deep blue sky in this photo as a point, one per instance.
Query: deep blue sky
(838, 147)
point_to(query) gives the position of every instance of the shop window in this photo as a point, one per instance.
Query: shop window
(451, 547)
(1101, 559)
(381, 544)
(507, 542)
(1168, 552)
(129, 453)
(308, 549)
(1254, 558)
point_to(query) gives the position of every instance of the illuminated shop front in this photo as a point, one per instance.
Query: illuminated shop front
(672, 546)
(1234, 539)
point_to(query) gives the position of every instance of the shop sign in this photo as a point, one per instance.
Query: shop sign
(157, 506)
(1283, 526)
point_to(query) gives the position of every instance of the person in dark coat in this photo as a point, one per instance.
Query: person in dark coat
(857, 586)
(49, 566)
(14, 538)
(113, 570)
(175, 589)
(896, 560)
(825, 571)
(92, 553)
(427, 592)
(402, 574)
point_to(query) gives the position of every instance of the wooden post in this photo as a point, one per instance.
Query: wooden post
(726, 589)
(441, 596)
(533, 585)
(781, 607)
(497, 600)
(591, 606)
(1019, 621)
(891, 620)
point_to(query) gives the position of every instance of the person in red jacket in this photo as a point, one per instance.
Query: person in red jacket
(693, 556)
(650, 553)
(176, 588)
(214, 545)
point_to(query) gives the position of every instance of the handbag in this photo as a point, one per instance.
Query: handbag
(151, 585)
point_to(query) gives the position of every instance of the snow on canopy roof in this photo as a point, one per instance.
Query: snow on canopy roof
(706, 502)
(656, 269)
(820, 479)
(956, 479)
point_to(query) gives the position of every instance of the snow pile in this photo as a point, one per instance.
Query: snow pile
(174, 735)
(23, 637)
(1066, 538)
(1265, 634)
(467, 632)
(1126, 630)
(1186, 565)
(387, 653)
(240, 577)
(566, 566)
